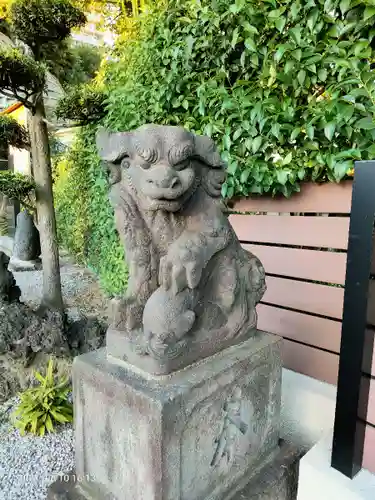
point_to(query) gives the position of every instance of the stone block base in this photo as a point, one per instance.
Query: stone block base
(196, 434)
(277, 480)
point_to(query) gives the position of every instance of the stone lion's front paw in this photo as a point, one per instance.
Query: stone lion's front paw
(180, 270)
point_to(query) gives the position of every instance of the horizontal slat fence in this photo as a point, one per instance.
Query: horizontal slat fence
(302, 243)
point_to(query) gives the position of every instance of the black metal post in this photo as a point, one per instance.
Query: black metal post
(348, 438)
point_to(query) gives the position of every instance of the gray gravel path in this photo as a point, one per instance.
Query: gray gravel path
(28, 464)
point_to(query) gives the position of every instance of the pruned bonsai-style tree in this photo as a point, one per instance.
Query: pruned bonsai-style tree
(39, 24)
(12, 185)
(13, 134)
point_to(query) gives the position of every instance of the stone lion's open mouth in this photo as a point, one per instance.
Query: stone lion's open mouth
(168, 200)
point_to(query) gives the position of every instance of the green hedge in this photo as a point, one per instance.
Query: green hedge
(84, 217)
(285, 88)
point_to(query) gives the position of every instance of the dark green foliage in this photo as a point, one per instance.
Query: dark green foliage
(44, 406)
(5, 27)
(284, 87)
(84, 217)
(84, 61)
(82, 104)
(17, 187)
(72, 63)
(12, 133)
(37, 22)
(20, 75)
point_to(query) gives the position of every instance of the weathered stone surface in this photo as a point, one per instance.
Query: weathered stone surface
(85, 335)
(25, 334)
(9, 291)
(277, 479)
(192, 435)
(185, 262)
(26, 239)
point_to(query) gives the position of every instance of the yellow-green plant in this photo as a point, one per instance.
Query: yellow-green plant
(44, 406)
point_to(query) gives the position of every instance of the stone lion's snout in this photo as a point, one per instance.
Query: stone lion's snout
(162, 182)
(163, 177)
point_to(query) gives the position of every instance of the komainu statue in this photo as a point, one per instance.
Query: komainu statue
(192, 288)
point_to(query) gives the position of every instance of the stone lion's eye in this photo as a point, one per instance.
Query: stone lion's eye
(182, 165)
(125, 162)
(144, 165)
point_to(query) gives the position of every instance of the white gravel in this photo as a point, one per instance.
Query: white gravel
(28, 464)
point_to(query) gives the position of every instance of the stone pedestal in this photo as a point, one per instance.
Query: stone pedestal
(208, 432)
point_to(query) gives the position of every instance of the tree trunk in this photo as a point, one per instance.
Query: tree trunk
(46, 221)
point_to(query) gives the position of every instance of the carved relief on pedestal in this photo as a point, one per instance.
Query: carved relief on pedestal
(233, 427)
(226, 433)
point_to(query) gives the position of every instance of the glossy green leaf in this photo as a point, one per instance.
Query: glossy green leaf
(232, 167)
(369, 12)
(237, 134)
(245, 175)
(287, 159)
(310, 131)
(360, 47)
(296, 34)
(282, 176)
(280, 23)
(289, 66)
(256, 144)
(322, 74)
(329, 130)
(295, 134)
(254, 59)
(301, 77)
(301, 173)
(341, 169)
(345, 5)
(297, 54)
(367, 123)
(235, 37)
(227, 141)
(250, 28)
(280, 52)
(250, 44)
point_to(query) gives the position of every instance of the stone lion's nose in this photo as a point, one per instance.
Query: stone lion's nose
(174, 183)
(164, 178)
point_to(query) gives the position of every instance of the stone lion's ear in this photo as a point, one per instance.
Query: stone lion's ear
(215, 174)
(206, 151)
(113, 146)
